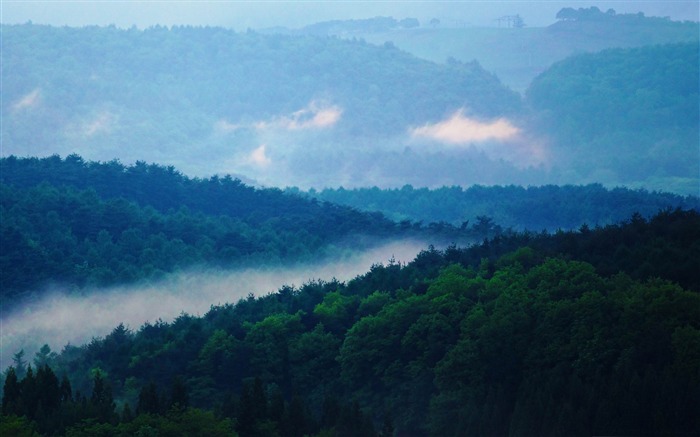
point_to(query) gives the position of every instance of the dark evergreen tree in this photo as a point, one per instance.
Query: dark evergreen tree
(19, 364)
(253, 408)
(330, 413)
(48, 389)
(101, 401)
(350, 421)
(387, 426)
(66, 390)
(12, 390)
(44, 356)
(149, 400)
(276, 408)
(30, 396)
(296, 421)
(127, 415)
(178, 394)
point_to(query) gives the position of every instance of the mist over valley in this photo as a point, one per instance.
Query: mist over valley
(60, 317)
(349, 219)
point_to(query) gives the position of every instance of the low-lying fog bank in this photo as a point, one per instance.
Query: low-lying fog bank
(58, 318)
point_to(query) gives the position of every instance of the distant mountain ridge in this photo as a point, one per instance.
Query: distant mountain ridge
(211, 100)
(518, 55)
(630, 115)
(322, 111)
(524, 208)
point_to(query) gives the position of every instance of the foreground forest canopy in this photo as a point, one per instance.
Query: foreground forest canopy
(319, 111)
(81, 224)
(594, 331)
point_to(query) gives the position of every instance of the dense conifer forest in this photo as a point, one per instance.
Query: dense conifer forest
(549, 207)
(89, 223)
(83, 223)
(592, 331)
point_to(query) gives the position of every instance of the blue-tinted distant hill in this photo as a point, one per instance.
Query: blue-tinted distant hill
(532, 208)
(518, 55)
(321, 111)
(212, 100)
(628, 116)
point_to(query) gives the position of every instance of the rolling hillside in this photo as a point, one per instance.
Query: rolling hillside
(518, 55)
(522, 208)
(211, 100)
(573, 333)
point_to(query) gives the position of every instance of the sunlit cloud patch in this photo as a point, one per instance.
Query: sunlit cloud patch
(498, 139)
(102, 123)
(460, 130)
(314, 117)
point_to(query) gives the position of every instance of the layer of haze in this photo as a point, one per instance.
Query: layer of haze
(58, 319)
(241, 15)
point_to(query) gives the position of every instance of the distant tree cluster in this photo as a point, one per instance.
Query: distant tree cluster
(532, 208)
(376, 24)
(582, 14)
(515, 21)
(594, 14)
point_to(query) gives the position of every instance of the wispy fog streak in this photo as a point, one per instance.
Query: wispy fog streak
(59, 319)
(27, 101)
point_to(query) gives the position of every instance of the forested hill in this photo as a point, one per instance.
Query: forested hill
(602, 28)
(168, 95)
(589, 332)
(310, 111)
(75, 222)
(533, 208)
(165, 189)
(627, 115)
(518, 54)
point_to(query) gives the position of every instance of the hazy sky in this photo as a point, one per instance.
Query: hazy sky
(241, 15)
